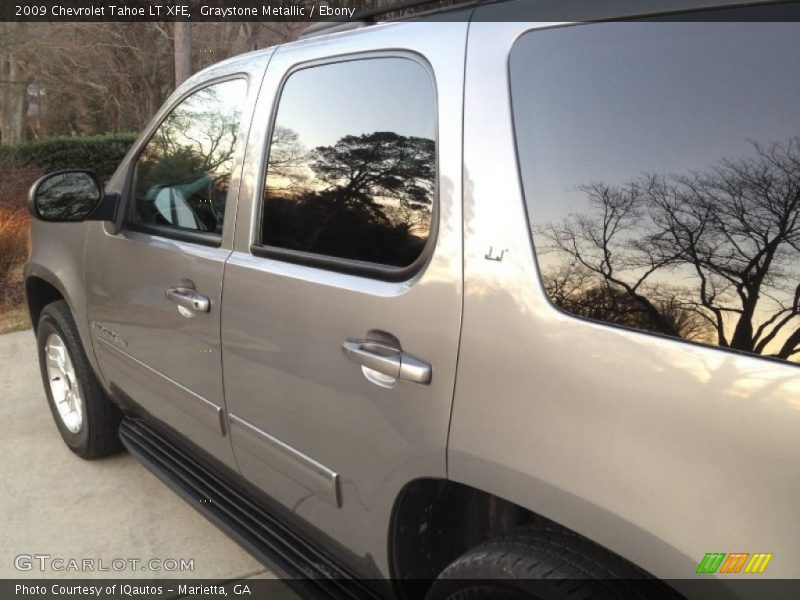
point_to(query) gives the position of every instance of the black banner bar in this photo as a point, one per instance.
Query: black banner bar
(349, 10)
(745, 586)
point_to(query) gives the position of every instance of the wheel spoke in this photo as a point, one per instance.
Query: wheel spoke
(54, 358)
(63, 383)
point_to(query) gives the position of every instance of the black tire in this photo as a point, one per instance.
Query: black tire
(98, 433)
(544, 562)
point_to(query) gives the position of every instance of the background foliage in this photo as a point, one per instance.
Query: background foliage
(99, 153)
(70, 96)
(70, 93)
(15, 180)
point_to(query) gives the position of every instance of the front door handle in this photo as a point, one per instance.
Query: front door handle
(387, 360)
(188, 298)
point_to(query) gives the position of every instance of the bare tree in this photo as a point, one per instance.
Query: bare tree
(578, 291)
(610, 245)
(288, 163)
(13, 91)
(722, 244)
(112, 77)
(95, 77)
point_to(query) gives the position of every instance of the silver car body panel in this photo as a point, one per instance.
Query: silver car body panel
(57, 251)
(657, 449)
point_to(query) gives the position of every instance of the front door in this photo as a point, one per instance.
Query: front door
(154, 294)
(343, 296)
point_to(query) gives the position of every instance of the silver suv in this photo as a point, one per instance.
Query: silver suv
(470, 306)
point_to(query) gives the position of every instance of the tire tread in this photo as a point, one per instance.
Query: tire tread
(542, 558)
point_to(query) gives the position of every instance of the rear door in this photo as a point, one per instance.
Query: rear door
(343, 293)
(154, 287)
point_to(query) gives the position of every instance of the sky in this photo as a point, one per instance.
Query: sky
(609, 102)
(327, 102)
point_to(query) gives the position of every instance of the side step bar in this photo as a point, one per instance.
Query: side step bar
(306, 570)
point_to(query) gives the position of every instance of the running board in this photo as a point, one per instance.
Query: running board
(305, 569)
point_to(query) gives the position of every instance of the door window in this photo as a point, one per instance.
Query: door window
(181, 177)
(352, 164)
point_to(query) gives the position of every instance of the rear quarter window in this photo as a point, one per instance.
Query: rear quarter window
(660, 163)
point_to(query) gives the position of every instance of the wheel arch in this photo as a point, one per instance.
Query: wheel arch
(39, 292)
(43, 287)
(434, 521)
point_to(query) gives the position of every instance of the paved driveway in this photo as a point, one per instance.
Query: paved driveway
(52, 502)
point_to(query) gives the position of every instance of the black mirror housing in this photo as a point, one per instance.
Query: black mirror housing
(106, 209)
(71, 196)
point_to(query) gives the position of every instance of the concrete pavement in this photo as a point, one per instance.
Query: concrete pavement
(58, 504)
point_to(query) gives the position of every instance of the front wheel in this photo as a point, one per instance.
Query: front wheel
(87, 420)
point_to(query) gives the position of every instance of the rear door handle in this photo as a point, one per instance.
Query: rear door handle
(188, 298)
(387, 360)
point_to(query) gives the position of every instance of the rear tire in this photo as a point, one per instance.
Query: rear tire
(87, 420)
(544, 562)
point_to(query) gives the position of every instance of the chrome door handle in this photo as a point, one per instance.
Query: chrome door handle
(387, 360)
(188, 298)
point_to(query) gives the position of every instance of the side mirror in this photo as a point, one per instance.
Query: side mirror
(71, 196)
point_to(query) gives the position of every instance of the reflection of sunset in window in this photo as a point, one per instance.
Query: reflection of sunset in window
(681, 217)
(359, 184)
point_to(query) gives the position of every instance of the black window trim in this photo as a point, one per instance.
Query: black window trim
(175, 233)
(332, 263)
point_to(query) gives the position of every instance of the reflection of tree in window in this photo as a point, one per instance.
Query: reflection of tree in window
(183, 174)
(710, 256)
(367, 197)
(286, 162)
